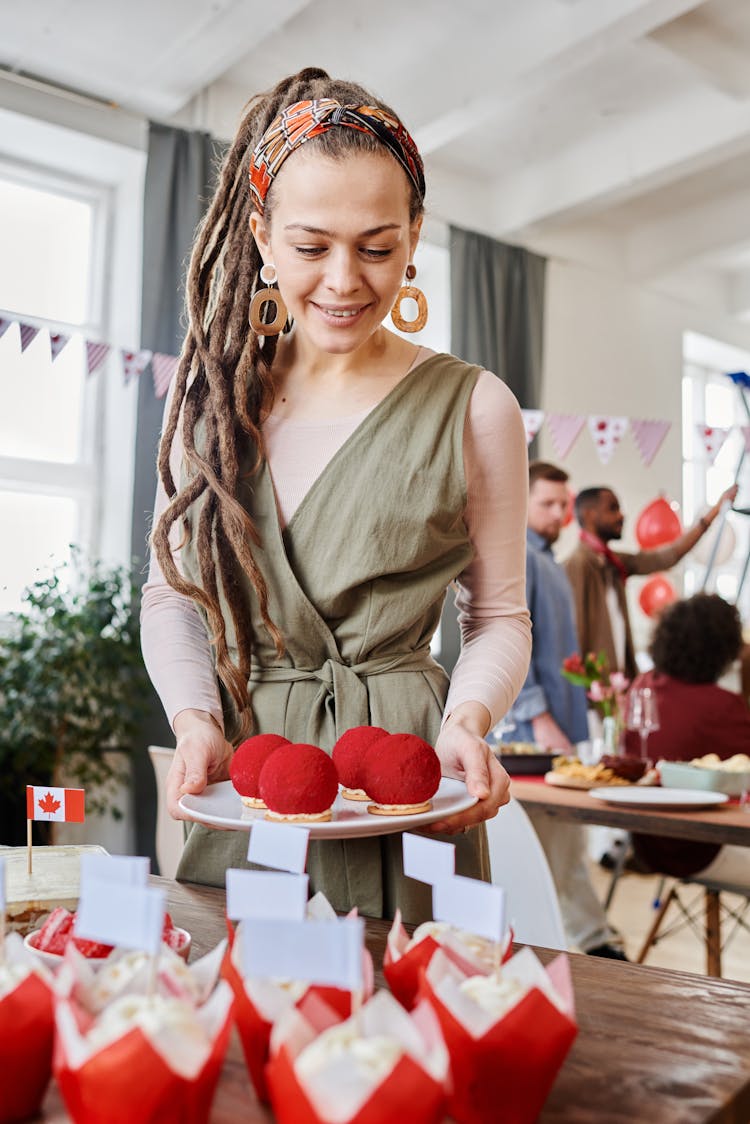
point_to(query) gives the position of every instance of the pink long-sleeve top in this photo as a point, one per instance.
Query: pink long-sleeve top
(491, 598)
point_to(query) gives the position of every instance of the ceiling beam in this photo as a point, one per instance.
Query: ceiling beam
(690, 234)
(700, 40)
(539, 49)
(738, 294)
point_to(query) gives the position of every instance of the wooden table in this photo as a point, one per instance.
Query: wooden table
(653, 1046)
(727, 823)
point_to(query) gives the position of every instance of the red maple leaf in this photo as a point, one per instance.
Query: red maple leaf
(49, 804)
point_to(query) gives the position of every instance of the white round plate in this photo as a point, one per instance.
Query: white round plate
(219, 805)
(637, 796)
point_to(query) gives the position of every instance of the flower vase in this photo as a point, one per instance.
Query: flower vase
(610, 734)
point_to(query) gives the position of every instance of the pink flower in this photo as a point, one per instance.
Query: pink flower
(619, 682)
(598, 692)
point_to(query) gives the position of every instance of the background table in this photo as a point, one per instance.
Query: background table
(653, 1046)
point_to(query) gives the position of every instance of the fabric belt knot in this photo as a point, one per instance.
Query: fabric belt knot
(342, 700)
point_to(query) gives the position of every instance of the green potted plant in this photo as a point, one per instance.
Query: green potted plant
(72, 684)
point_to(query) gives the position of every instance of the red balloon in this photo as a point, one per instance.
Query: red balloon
(657, 525)
(656, 594)
(568, 517)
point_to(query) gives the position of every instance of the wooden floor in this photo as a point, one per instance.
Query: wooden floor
(632, 912)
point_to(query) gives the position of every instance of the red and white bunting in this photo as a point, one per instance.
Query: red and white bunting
(564, 430)
(163, 368)
(745, 431)
(648, 436)
(63, 805)
(96, 353)
(28, 333)
(4, 325)
(712, 437)
(532, 420)
(607, 431)
(134, 363)
(57, 342)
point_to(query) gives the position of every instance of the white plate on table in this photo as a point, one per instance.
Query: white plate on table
(219, 805)
(671, 799)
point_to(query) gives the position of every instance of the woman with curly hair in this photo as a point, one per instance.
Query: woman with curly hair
(323, 481)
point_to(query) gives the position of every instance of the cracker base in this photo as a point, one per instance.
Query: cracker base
(400, 809)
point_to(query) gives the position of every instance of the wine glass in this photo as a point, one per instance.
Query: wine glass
(643, 716)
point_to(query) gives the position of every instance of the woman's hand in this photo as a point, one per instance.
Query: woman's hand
(465, 755)
(202, 756)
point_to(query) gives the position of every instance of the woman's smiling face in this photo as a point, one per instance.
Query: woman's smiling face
(340, 238)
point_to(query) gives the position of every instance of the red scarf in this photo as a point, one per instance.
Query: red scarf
(600, 547)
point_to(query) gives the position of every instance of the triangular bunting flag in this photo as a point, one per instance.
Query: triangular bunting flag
(711, 437)
(648, 436)
(532, 420)
(4, 325)
(134, 363)
(564, 430)
(606, 432)
(163, 368)
(28, 333)
(96, 353)
(57, 342)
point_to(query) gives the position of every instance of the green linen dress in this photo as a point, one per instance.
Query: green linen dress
(356, 584)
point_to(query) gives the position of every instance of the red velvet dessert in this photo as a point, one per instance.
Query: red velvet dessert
(401, 772)
(57, 931)
(248, 760)
(348, 754)
(299, 783)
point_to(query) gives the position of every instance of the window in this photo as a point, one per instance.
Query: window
(709, 397)
(69, 224)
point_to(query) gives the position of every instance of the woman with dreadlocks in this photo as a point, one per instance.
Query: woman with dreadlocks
(322, 481)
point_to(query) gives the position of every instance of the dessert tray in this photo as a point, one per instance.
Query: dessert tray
(219, 805)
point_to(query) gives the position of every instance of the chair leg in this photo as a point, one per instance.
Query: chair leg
(654, 930)
(713, 933)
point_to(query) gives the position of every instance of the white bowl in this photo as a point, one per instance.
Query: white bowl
(55, 959)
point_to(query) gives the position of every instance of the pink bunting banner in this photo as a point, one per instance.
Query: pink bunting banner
(163, 368)
(564, 430)
(96, 353)
(745, 431)
(712, 437)
(4, 325)
(607, 431)
(28, 333)
(57, 342)
(648, 436)
(532, 420)
(134, 363)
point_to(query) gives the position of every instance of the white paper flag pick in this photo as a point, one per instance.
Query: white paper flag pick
(126, 916)
(470, 904)
(280, 845)
(320, 952)
(266, 895)
(126, 870)
(428, 860)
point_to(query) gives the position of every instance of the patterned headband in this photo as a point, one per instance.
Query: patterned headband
(304, 120)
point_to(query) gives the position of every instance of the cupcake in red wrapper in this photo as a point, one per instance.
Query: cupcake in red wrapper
(144, 1060)
(348, 757)
(299, 783)
(507, 1035)
(26, 1032)
(259, 1004)
(401, 772)
(247, 761)
(379, 1066)
(407, 957)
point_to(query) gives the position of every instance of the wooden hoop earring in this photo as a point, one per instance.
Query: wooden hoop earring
(261, 299)
(410, 292)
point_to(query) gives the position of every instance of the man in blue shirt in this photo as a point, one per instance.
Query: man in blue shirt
(552, 712)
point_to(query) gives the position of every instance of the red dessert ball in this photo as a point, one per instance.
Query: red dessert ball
(248, 760)
(401, 769)
(348, 753)
(299, 780)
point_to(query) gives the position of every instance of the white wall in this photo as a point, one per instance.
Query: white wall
(612, 347)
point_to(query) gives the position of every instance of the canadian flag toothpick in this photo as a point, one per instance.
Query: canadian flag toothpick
(63, 805)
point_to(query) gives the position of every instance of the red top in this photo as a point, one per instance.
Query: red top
(694, 719)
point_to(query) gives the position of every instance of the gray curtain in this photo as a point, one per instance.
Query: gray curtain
(497, 320)
(179, 183)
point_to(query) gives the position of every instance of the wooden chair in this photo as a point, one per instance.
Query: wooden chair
(170, 834)
(714, 912)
